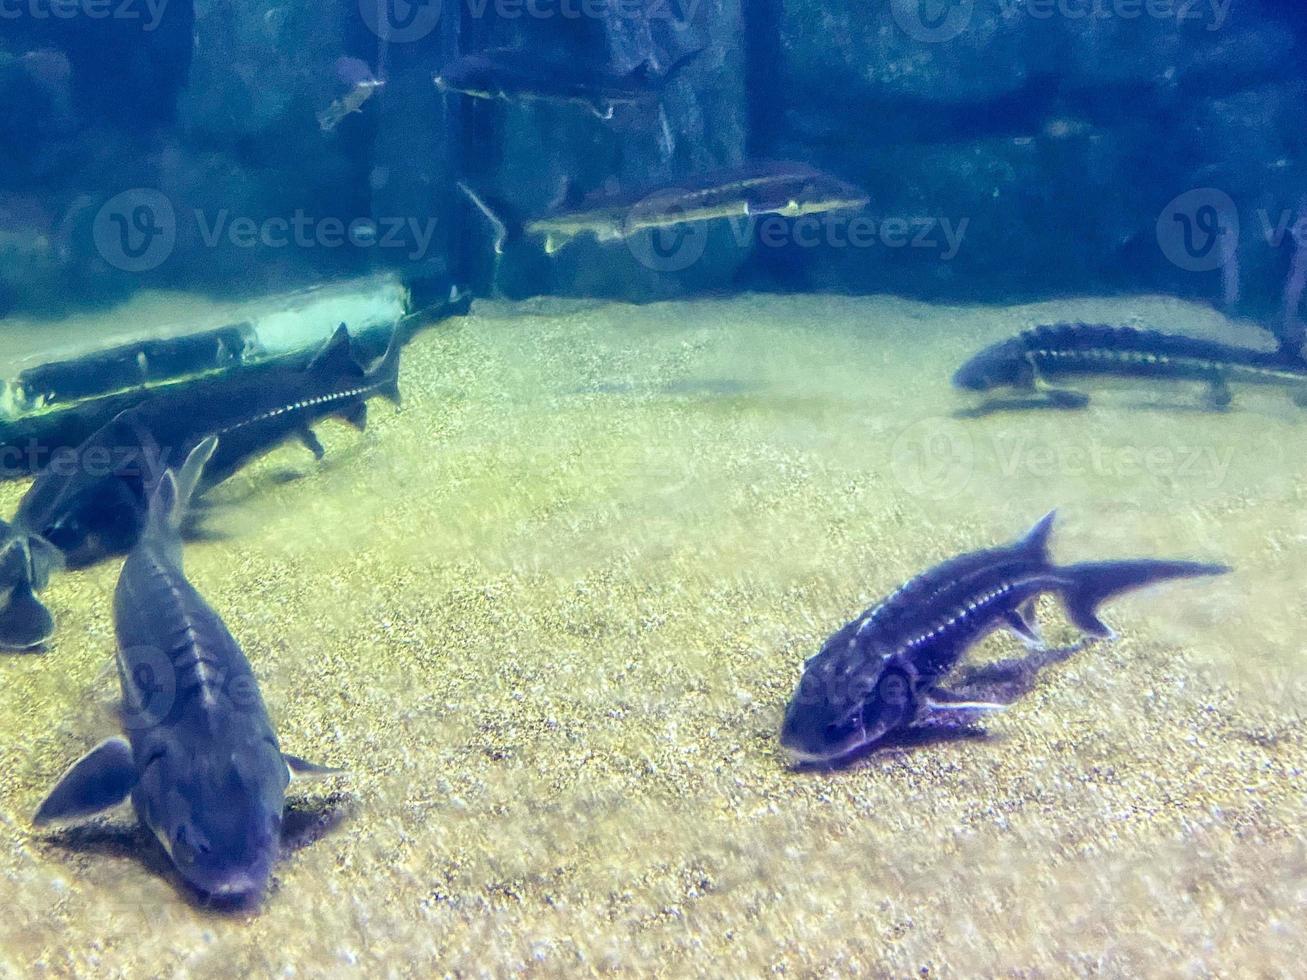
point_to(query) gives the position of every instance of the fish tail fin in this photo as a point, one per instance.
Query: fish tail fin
(171, 496)
(1035, 541)
(506, 224)
(1092, 583)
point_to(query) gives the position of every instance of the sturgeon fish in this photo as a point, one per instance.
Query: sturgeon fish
(515, 75)
(789, 189)
(200, 760)
(90, 503)
(1033, 359)
(881, 673)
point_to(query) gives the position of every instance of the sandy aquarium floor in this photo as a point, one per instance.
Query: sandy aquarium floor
(547, 615)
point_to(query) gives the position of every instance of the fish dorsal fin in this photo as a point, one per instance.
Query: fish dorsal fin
(644, 73)
(1035, 541)
(335, 355)
(172, 495)
(188, 477)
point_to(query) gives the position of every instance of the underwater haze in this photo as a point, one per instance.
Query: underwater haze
(657, 488)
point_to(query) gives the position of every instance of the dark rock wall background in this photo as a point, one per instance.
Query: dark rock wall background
(1012, 148)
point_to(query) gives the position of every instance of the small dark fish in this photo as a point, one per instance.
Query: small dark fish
(880, 674)
(521, 76)
(200, 761)
(789, 189)
(90, 503)
(1031, 360)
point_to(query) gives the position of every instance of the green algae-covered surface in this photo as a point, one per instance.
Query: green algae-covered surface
(547, 616)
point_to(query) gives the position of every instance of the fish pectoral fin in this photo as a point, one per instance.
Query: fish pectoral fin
(943, 699)
(556, 241)
(45, 558)
(1217, 395)
(97, 781)
(310, 440)
(303, 769)
(25, 623)
(947, 708)
(1021, 621)
(15, 562)
(357, 416)
(1060, 397)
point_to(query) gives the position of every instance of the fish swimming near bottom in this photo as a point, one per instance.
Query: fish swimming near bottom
(201, 762)
(882, 672)
(1033, 360)
(91, 502)
(792, 190)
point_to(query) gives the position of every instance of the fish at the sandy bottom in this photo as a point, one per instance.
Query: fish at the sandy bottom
(200, 759)
(792, 190)
(882, 672)
(516, 75)
(1031, 361)
(90, 503)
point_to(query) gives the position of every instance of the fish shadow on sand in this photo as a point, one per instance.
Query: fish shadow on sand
(1002, 682)
(303, 823)
(1037, 403)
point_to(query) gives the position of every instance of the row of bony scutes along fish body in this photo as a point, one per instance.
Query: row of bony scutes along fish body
(884, 671)
(92, 505)
(199, 760)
